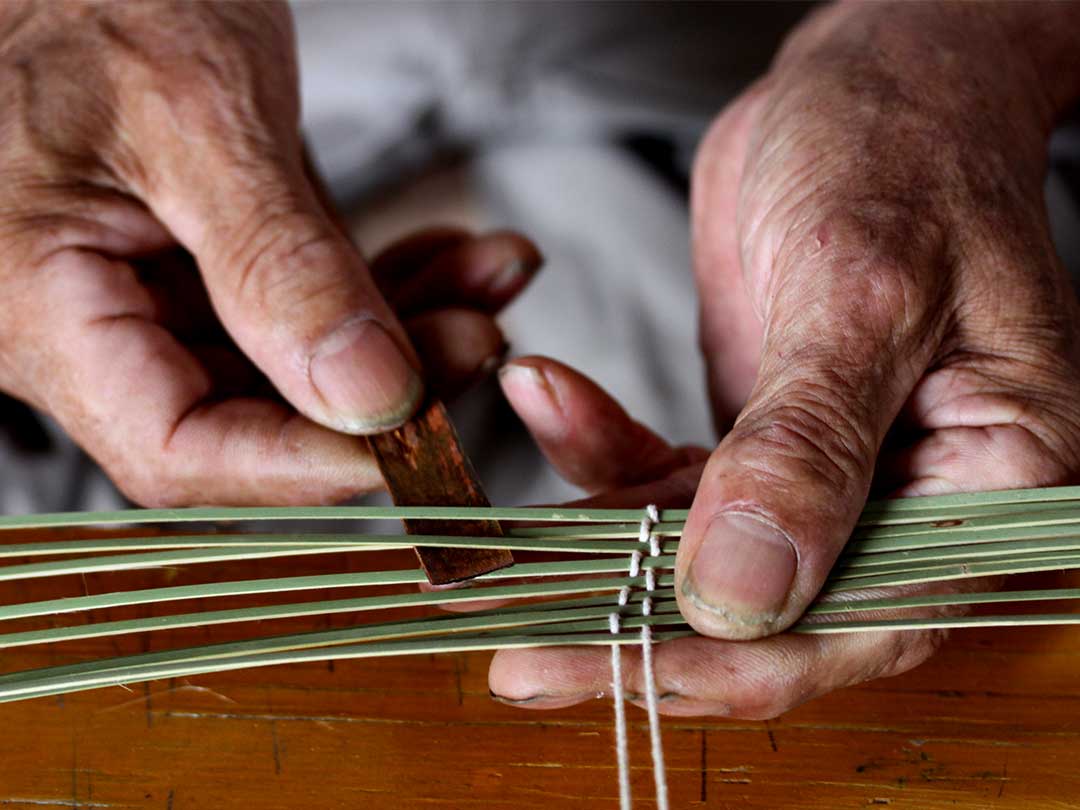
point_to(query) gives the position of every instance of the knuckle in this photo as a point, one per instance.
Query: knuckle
(1035, 451)
(877, 276)
(147, 484)
(273, 266)
(813, 434)
(905, 651)
(767, 707)
(161, 477)
(206, 58)
(769, 701)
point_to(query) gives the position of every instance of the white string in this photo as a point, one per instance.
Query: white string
(647, 537)
(622, 746)
(656, 742)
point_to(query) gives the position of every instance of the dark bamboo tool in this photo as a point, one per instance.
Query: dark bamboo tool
(424, 464)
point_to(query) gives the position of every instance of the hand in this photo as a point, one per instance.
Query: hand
(169, 274)
(881, 305)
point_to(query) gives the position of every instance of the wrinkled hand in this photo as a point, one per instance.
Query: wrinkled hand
(169, 275)
(881, 306)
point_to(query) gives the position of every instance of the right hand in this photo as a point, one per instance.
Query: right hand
(167, 268)
(882, 307)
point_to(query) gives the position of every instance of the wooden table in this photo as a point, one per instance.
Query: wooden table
(992, 721)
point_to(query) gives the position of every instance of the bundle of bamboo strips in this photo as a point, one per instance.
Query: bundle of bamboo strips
(562, 601)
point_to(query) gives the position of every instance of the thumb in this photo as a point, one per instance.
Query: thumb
(298, 299)
(781, 494)
(289, 286)
(212, 145)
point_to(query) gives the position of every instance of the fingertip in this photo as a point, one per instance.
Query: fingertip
(484, 273)
(534, 396)
(363, 380)
(739, 579)
(458, 347)
(548, 678)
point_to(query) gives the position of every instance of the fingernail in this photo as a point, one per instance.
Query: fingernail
(511, 274)
(527, 376)
(743, 571)
(534, 398)
(494, 362)
(364, 378)
(664, 697)
(540, 701)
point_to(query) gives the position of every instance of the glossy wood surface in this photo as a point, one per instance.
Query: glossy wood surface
(993, 721)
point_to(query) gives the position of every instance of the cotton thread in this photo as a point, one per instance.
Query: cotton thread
(648, 538)
(622, 745)
(656, 742)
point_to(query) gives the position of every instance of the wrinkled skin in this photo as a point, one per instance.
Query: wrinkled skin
(174, 291)
(881, 308)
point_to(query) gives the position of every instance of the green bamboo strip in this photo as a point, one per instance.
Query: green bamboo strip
(49, 681)
(943, 600)
(1008, 497)
(299, 609)
(40, 683)
(966, 571)
(585, 531)
(940, 623)
(428, 626)
(969, 538)
(313, 638)
(924, 509)
(209, 590)
(959, 526)
(594, 544)
(567, 514)
(223, 650)
(949, 518)
(322, 581)
(565, 619)
(44, 685)
(156, 559)
(664, 615)
(868, 562)
(934, 564)
(1002, 533)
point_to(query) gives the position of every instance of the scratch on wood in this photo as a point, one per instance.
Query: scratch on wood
(772, 739)
(169, 800)
(457, 680)
(704, 788)
(74, 774)
(149, 706)
(1004, 778)
(23, 800)
(330, 720)
(276, 746)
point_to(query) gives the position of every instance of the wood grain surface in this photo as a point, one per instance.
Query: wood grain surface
(991, 722)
